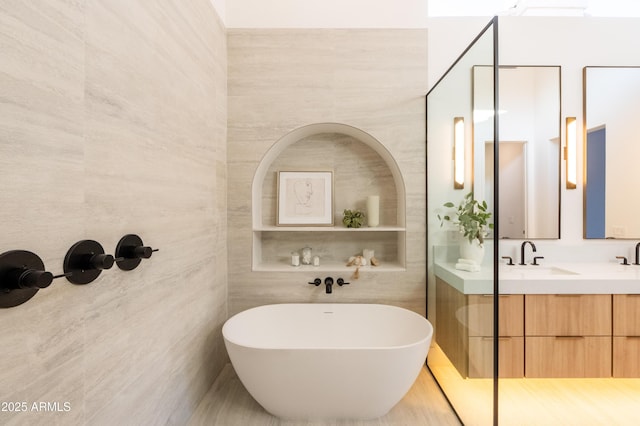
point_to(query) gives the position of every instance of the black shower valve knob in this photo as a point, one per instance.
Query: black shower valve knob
(137, 252)
(143, 252)
(22, 275)
(84, 262)
(101, 261)
(22, 278)
(130, 251)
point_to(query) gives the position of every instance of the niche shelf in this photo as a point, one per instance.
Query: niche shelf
(361, 166)
(326, 229)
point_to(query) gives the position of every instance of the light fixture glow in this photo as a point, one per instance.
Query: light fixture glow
(458, 153)
(570, 153)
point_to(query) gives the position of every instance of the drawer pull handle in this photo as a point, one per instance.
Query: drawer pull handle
(500, 338)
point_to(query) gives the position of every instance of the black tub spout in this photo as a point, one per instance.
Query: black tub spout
(328, 282)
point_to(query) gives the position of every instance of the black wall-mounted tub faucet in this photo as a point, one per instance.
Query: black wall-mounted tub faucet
(328, 282)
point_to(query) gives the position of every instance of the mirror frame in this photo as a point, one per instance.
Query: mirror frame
(585, 128)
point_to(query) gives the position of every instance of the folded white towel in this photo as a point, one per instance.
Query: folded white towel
(468, 267)
(467, 261)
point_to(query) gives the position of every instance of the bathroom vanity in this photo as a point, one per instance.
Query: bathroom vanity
(573, 320)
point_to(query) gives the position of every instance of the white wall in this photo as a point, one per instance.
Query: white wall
(571, 43)
(325, 14)
(447, 39)
(221, 7)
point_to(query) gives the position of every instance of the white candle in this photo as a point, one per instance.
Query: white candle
(373, 210)
(295, 258)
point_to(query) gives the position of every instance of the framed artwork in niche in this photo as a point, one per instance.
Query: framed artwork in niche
(305, 198)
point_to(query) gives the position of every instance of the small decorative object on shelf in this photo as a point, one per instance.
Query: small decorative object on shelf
(373, 210)
(316, 260)
(357, 261)
(369, 257)
(368, 254)
(306, 256)
(295, 258)
(353, 218)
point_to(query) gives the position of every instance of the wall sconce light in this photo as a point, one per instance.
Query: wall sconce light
(570, 153)
(458, 153)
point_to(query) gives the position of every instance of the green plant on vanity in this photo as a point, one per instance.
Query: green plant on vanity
(471, 217)
(352, 218)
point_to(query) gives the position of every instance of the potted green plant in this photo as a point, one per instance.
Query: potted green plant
(352, 218)
(472, 219)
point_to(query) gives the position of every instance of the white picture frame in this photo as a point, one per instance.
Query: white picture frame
(305, 198)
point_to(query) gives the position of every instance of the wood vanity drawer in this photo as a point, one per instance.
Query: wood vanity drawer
(511, 315)
(510, 362)
(568, 356)
(626, 314)
(626, 356)
(567, 315)
(451, 325)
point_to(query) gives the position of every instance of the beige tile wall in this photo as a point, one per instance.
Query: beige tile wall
(279, 80)
(113, 121)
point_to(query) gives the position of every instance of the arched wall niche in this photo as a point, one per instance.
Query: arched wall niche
(361, 166)
(280, 147)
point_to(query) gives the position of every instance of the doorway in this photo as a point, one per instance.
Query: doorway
(513, 186)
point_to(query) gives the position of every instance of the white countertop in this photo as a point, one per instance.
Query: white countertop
(556, 278)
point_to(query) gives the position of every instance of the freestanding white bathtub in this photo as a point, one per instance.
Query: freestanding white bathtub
(327, 360)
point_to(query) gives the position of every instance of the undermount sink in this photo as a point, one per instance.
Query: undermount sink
(534, 271)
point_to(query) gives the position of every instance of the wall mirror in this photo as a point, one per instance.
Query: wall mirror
(611, 112)
(529, 148)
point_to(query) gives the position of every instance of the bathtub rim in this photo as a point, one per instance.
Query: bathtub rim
(427, 338)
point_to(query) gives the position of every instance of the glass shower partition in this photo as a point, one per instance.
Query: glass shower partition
(462, 288)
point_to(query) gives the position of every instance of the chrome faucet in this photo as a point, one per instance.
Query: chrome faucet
(524, 243)
(637, 262)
